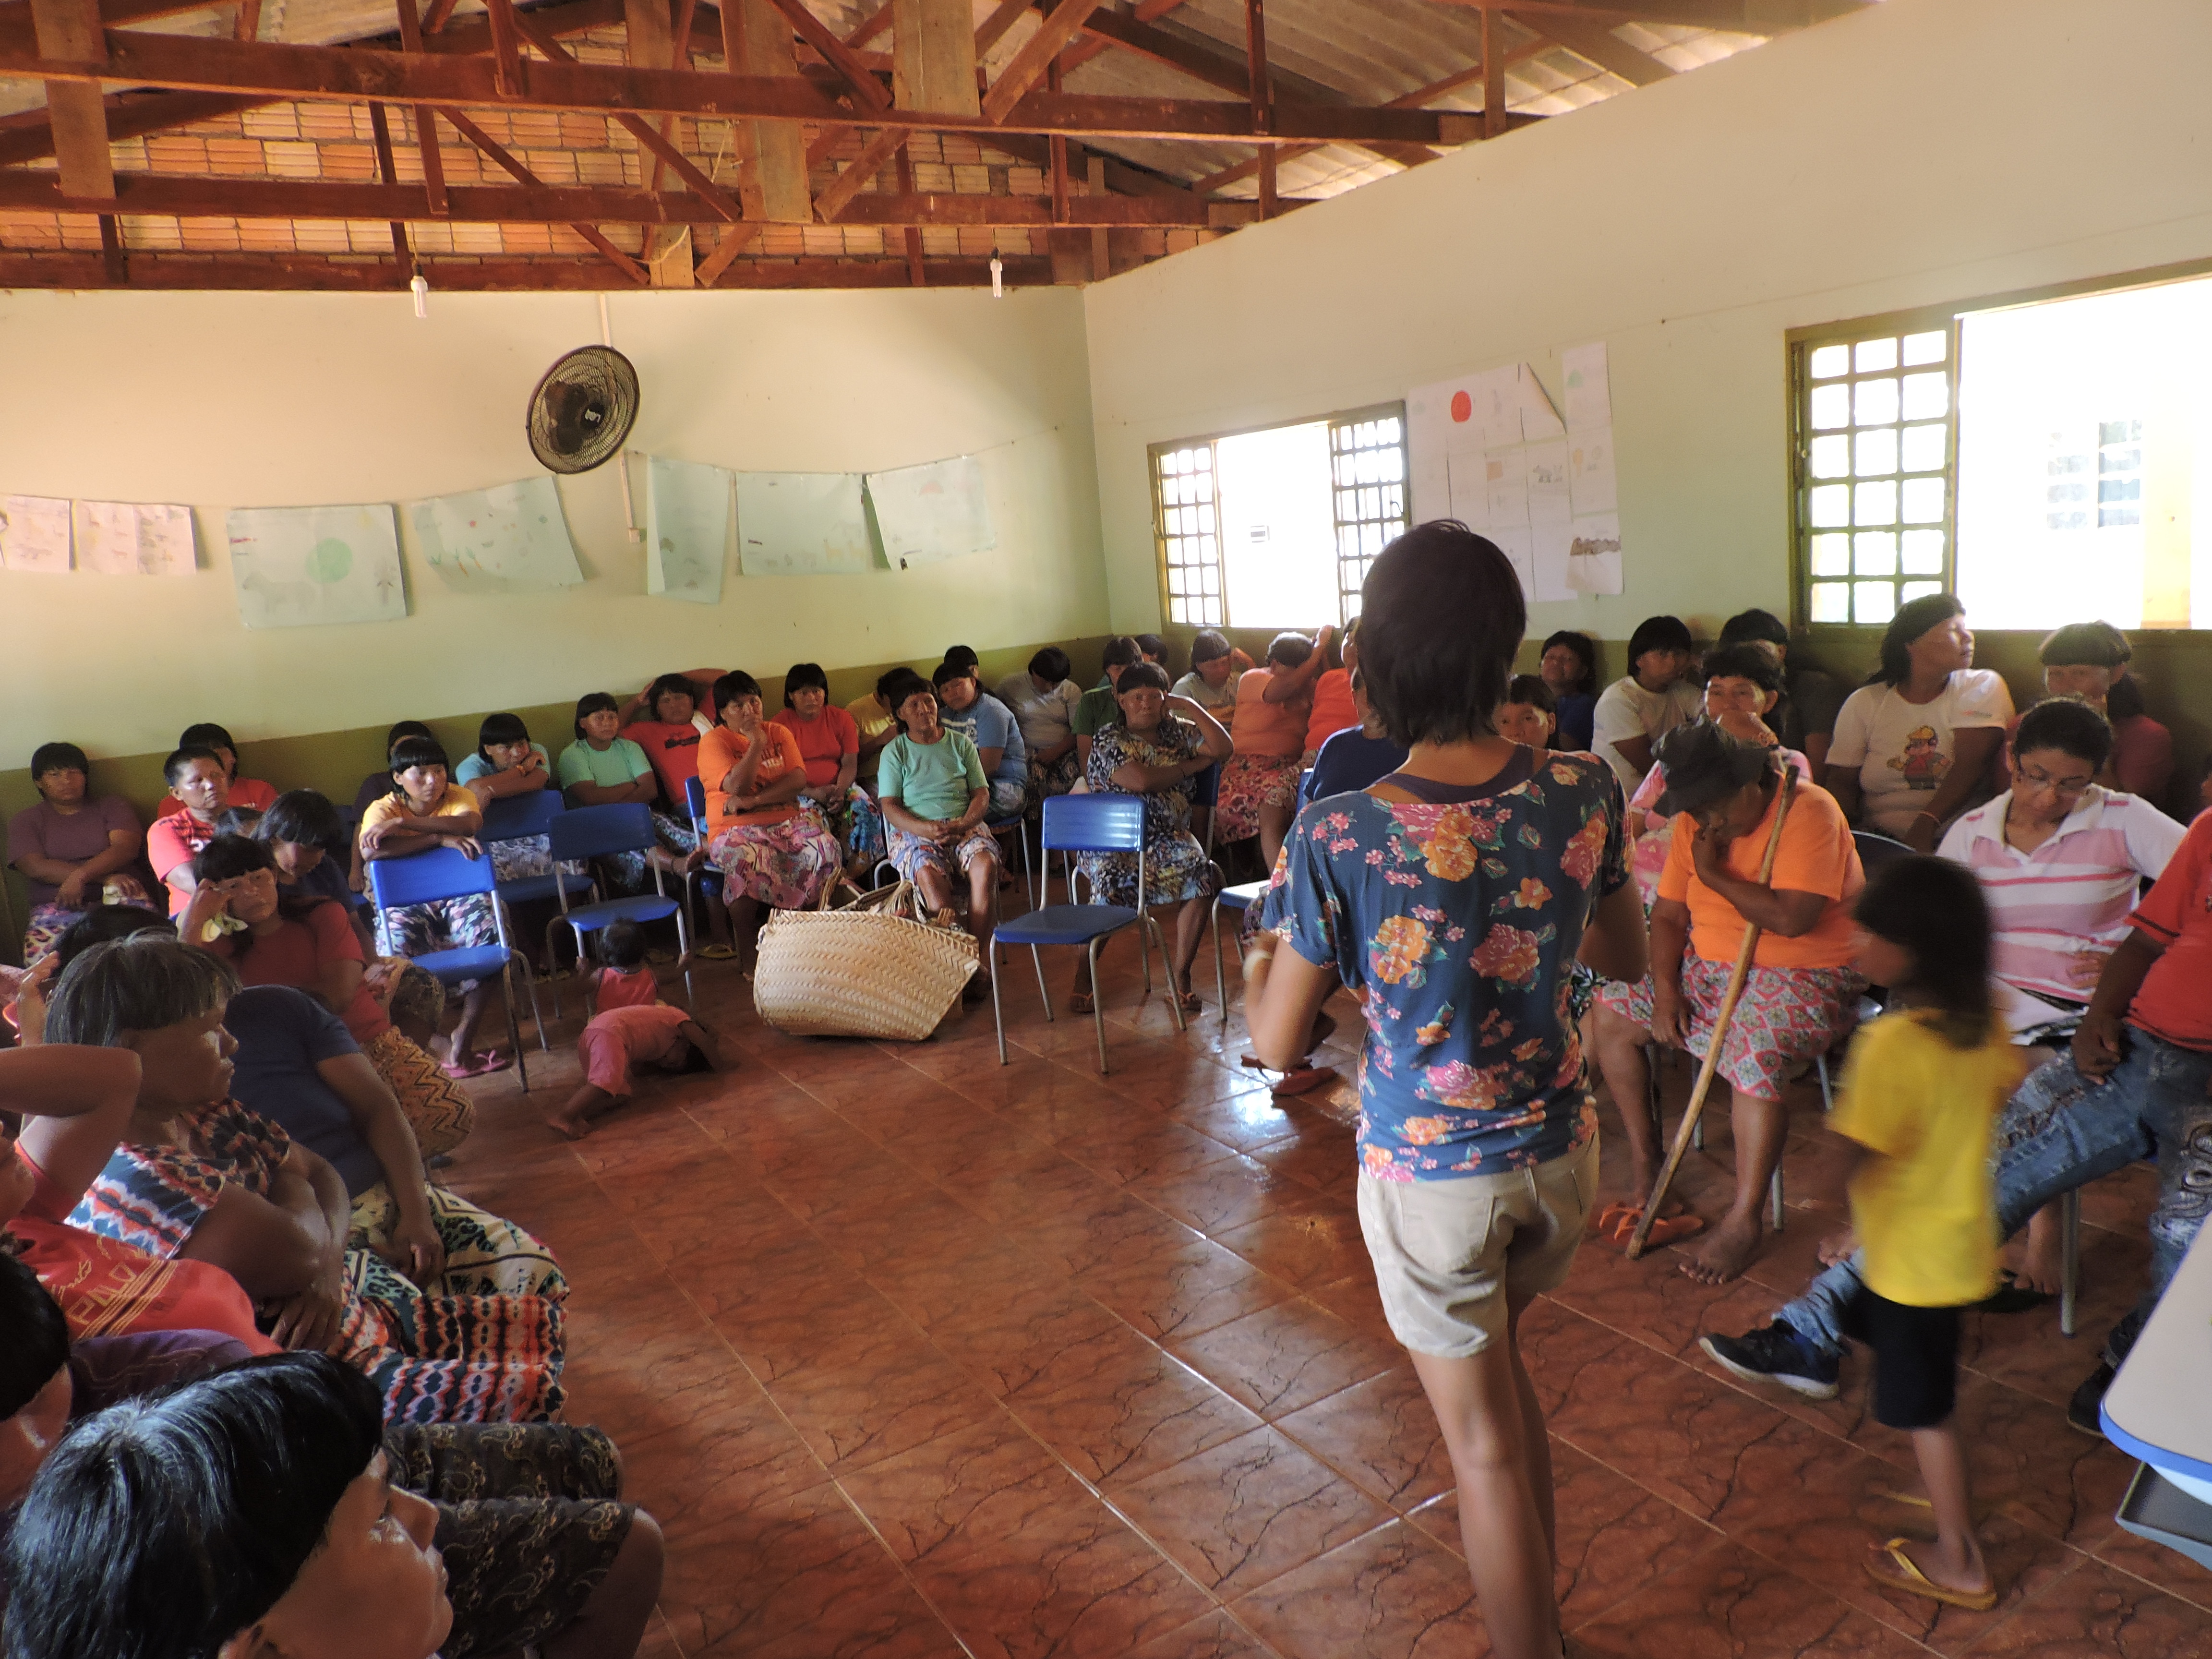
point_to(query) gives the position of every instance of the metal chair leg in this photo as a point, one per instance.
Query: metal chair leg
(514, 1029)
(2070, 1258)
(1098, 1003)
(998, 1019)
(1167, 975)
(537, 1015)
(1774, 1197)
(1144, 955)
(1220, 974)
(1037, 956)
(1828, 1093)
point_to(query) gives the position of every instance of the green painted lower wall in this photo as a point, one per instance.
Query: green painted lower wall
(336, 762)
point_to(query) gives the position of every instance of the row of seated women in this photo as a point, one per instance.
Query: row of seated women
(207, 1172)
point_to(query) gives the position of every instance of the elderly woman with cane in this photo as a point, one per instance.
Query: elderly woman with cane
(1795, 997)
(1450, 896)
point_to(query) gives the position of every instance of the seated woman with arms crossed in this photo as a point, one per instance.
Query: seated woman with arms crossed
(829, 739)
(1044, 700)
(772, 855)
(74, 852)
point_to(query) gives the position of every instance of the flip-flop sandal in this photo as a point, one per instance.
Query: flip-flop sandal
(1191, 1002)
(715, 953)
(1607, 1216)
(2013, 1297)
(1666, 1230)
(1303, 1081)
(1081, 1002)
(480, 1067)
(1910, 1579)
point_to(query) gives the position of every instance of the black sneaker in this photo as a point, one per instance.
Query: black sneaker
(2081, 1409)
(1777, 1354)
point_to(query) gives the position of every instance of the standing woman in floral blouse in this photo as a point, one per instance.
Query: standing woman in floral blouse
(1450, 897)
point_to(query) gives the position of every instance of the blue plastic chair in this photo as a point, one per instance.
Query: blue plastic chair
(694, 884)
(1239, 899)
(1087, 823)
(447, 872)
(350, 816)
(589, 832)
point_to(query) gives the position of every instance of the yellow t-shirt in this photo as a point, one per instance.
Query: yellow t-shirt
(1925, 1211)
(868, 714)
(455, 801)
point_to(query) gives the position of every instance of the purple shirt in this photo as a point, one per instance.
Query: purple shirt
(40, 832)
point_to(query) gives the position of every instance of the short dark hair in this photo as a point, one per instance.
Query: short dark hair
(1744, 661)
(595, 703)
(228, 857)
(208, 735)
(1583, 647)
(895, 685)
(662, 685)
(2068, 725)
(949, 669)
(1121, 651)
(174, 768)
(161, 1527)
(1441, 617)
(799, 675)
(1914, 618)
(1051, 662)
(1935, 908)
(304, 816)
(1659, 634)
(139, 983)
(1531, 690)
(1754, 625)
(416, 751)
(1154, 647)
(2096, 643)
(104, 924)
(622, 945)
(38, 1334)
(1138, 676)
(1208, 645)
(237, 820)
(404, 729)
(961, 653)
(58, 757)
(1289, 650)
(732, 687)
(500, 728)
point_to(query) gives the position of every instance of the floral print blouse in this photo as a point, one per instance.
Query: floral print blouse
(1457, 923)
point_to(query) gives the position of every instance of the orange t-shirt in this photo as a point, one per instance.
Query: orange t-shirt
(721, 748)
(1274, 729)
(1332, 707)
(1816, 856)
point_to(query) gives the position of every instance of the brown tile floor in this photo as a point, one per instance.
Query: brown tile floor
(912, 1355)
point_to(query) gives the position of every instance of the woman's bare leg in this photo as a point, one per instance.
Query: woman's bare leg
(1275, 824)
(982, 900)
(613, 1619)
(1760, 1126)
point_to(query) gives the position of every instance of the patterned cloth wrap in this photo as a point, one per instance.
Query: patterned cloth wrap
(1248, 783)
(486, 1255)
(1176, 865)
(435, 1359)
(1785, 1016)
(783, 865)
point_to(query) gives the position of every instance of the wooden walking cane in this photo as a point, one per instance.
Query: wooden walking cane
(1720, 1031)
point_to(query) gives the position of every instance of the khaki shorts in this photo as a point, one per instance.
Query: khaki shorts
(1448, 1254)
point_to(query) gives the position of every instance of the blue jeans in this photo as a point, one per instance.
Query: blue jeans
(2063, 1130)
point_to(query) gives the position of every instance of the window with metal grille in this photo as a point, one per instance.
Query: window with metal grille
(1276, 528)
(1875, 410)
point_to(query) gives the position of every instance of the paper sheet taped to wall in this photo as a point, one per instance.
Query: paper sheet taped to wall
(802, 524)
(34, 534)
(1490, 450)
(301, 566)
(511, 538)
(935, 511)
(124, 539)
(687, 529)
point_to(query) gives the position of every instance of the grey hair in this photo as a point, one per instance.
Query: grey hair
(141, 983)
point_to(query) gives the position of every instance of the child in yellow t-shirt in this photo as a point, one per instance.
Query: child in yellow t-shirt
(1920, 1096)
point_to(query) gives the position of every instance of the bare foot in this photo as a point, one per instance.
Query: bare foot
(2039, 1267)
(1728, 1250)
(570, 1127)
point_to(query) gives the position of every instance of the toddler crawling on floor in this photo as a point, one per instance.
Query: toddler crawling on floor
(630, 1029)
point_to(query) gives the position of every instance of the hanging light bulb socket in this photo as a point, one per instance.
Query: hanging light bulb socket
(998, 277)
(420, 287)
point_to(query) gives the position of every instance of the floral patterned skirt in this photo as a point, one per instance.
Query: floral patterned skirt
(1176, 869)
(912, 854)
(1784, 1016)
(486, 1255)
(48, 922)
(784, 866)
(1055, 777)
(627, 873)
(857, 822)
(1248, 783)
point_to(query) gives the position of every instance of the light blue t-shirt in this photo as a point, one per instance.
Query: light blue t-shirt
(476, 766)
(620, 763)
(990, 724)
(933, 780)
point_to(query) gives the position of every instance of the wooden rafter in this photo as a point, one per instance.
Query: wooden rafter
(426, 119)
(831, 200)
(1027, 67)
(354, 76)
(291, 271)
(483, 141)
(866, 87)
(71, 30)
(380, 129)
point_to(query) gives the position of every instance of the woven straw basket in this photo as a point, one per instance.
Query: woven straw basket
(860, 969)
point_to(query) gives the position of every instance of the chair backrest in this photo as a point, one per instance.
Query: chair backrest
(695, 798)
(1875, 850)
(1206, 786)
(584, 832)
(443, 873)
(1094, 823)
(512, 817)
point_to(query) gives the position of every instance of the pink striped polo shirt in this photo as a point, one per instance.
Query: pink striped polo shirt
(2068, 900)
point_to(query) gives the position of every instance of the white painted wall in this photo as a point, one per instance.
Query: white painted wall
(1920, 152)
(281, 399)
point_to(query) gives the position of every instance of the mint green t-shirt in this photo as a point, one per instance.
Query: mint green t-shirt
(934, 779)
(620, 763)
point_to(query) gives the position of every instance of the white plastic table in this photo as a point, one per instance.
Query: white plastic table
(2160, 1409)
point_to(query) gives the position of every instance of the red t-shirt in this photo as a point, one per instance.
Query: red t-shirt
(824, 741)
(1333, 708)
(2174, 1002)
(673, 750)
(295, 955)
(171, 843)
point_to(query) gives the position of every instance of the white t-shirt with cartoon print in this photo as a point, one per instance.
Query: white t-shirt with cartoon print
(1904, 749)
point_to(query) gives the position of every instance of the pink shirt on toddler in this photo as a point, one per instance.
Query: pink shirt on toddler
(635, 989)
(622, 1038)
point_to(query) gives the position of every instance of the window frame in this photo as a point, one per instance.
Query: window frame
(1393, 409)
(1798, 345)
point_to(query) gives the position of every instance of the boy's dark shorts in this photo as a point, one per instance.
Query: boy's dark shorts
(1915, 1358)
